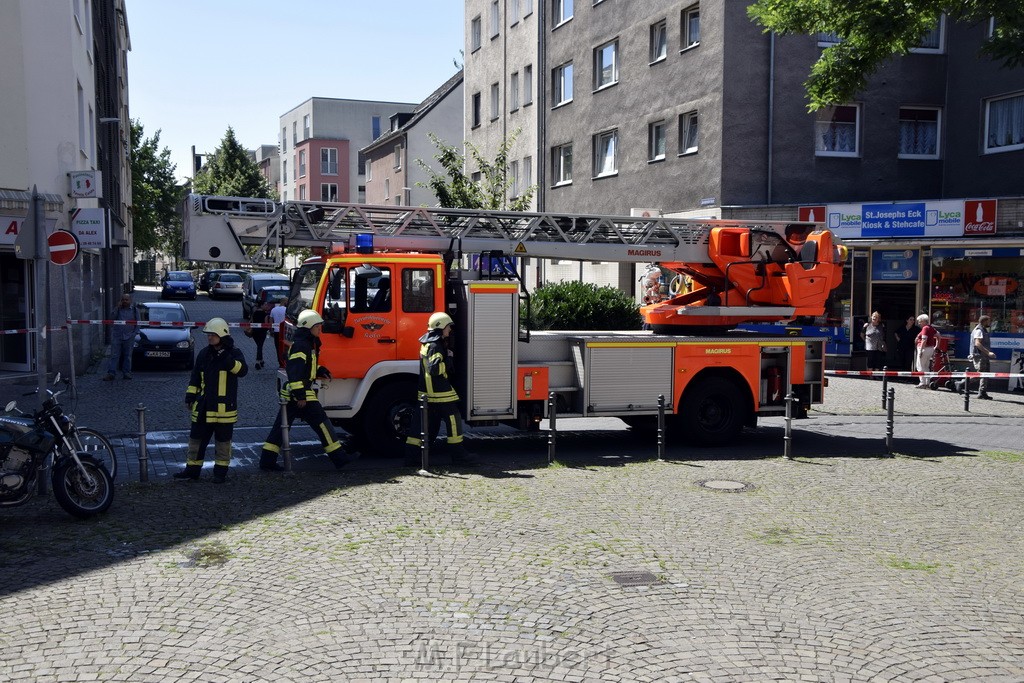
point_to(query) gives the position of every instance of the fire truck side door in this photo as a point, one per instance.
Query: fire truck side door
(367, 331)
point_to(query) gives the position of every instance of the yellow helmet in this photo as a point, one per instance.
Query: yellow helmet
(439, 321)
(308, 318)
(217, 326)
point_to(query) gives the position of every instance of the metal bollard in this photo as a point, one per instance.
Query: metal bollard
(885, 385)
(661, 427)
(286, 441)
(787, 439)
(552, 429)
(424, 435)
(143, 454)
(967, 393)
(889, 421)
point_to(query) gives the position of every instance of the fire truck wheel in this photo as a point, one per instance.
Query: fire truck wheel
(712, 411)
(388, 416)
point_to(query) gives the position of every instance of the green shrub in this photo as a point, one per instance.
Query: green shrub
(581, 306)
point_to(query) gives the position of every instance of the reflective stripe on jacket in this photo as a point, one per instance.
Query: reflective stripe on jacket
(214, 383)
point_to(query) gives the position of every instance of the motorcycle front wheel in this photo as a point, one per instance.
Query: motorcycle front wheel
(80, 495)
(99, 447)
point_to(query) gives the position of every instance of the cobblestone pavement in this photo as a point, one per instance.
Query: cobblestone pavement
(838, 565)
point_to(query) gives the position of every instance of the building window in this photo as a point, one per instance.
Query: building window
(934, 41)
(375, 125)
(284, 171)
(302, 163)
(295, 133)
(474, 34)
(605, 145)
(562, 11)
(919, 133)
(398, 157)
(513, 179)
(828, 39)
(329, 161)
(361, 194)
(369, 170)
(513, 91)
(302, 193)
(527, 173)
(606, 65)
(1004, 123)
(495, 19)
(659, 41)
(360, 163)
(328, 192)
(476, 109)
(656, 141)
(513, 11)
(688, 133)
(387, 188)
(561, 84)
(81, 119)
(837, 131)
(495, 108)
(528, 84)
(561, 164)
(284, 139)
(475, 178)
(691, 27)
(305, 127)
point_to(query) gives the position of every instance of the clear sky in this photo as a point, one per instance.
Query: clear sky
(199, 66)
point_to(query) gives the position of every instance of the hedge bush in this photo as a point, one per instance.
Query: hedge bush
(581, 306)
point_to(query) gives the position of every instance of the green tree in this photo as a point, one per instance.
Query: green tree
(456, 190)
(230, 171)
(156, 195)
(871, 31)
(581, 306)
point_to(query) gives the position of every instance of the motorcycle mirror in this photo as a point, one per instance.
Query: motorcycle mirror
(11, 406)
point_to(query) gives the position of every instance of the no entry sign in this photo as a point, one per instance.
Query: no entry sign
(63, 247)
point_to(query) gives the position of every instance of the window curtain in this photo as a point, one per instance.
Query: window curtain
(1006, 122)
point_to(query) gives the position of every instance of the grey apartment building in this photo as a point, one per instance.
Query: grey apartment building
(688, 108)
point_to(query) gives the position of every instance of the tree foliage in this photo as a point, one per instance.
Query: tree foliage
(581, 306)
(156, 194)
(871, 31)
(230, 171)
(456, 190)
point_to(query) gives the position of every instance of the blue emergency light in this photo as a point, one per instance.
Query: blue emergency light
(364, 243)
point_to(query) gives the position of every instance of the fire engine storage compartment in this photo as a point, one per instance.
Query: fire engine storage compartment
(492, 321)
(603, 373)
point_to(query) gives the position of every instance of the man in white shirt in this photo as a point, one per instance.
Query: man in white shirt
(277, 314)
(982, 353)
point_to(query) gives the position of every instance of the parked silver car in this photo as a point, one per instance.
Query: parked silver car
(226, 285)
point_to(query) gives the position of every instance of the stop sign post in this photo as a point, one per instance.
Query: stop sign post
(63, 246)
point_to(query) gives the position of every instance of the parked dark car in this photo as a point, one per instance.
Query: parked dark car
(226, 285)
(178, 283)
(272, 293)
(163, 344)
(205, 278)
(253, 283)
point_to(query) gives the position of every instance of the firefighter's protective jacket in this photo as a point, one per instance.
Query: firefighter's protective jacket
(213, 387)
(303, 367)
(434, 380)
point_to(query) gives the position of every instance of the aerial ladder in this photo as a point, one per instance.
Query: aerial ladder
(740, 271)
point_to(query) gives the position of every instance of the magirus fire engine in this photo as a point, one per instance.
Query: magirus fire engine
(383, 270)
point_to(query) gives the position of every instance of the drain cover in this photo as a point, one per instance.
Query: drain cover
(635, 578)
(725, 485)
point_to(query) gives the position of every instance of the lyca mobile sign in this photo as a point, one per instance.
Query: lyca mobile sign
(946, 218)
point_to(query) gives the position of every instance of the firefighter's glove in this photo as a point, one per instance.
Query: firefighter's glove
(190, 401)
(323, 373)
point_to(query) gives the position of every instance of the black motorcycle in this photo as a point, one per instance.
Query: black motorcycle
(31, 446)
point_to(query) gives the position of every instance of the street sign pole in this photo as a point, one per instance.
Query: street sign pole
(39, 266)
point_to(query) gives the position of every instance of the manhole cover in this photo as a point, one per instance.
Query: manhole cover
(725, 485)
(635, 578)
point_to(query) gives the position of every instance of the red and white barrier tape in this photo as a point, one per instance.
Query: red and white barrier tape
(167, 323)
(917, 373)
(32, 330)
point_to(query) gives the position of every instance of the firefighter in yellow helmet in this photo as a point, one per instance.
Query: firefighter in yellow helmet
(442, 399)
(303, 369)
(212, 396)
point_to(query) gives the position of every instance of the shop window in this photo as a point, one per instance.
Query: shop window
(964, 287)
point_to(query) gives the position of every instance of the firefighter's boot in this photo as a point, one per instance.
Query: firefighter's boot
(461, 457)
(345, 455)
(194, 464)
(268, 459)
(222, 453)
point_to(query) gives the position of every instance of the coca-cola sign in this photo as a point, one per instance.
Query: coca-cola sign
(980, 217)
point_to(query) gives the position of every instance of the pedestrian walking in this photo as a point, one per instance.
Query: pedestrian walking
(260, 315)
(303, 370)
(982, 353)
(442, 399)
(122, 339)
(277, 315)
(926, 341)
(212, 396)
(873, 334)
(906, 334)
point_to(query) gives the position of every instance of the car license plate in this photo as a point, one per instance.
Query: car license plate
(158, 354)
